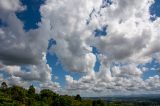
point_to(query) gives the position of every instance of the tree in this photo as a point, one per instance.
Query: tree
(46, 93)
(18, 93)
(3, 86)
(31, 90)
(48, 96)
(78, 97)
(61, 101)
(98, 103)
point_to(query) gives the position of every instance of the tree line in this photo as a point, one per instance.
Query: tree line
(18, 96)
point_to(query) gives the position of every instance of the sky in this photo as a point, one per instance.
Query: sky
(87, 47)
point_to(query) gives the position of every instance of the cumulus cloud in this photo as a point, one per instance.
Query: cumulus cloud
(30, 74)
(119, 39)
(10, 5)
(132, 39)
(22, 54)
(19, 47)
(41, 72)
(14, 46)
(68, 21)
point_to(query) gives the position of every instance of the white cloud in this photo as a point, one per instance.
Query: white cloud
(19, 48)
(68, 21)
(127, 71)
(41, 74)
(10, 5)
(132, 39)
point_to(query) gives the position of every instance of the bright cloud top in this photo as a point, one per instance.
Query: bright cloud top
(131, 41)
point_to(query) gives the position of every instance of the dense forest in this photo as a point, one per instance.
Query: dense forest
(18, 96)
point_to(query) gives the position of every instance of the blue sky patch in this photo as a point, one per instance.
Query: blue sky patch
(155, 10)
(31, 16)
(101, 32)
(152, 68)
(97, 64)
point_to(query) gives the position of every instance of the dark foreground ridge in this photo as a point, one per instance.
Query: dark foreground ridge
(18, 96)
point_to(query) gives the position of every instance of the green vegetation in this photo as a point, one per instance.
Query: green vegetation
(18, 96)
